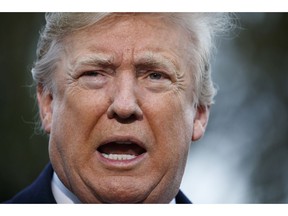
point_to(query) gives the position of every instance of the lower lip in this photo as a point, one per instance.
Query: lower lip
(121, 164)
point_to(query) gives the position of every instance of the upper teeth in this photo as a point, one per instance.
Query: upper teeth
(118, 156)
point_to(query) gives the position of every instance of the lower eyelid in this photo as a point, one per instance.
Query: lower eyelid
(93, 82)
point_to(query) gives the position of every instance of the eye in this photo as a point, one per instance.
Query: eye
(156, 76)
(91, 73)
(93, 79)
(155, 80)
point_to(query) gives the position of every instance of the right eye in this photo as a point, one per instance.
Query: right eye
(91, 73)
(93, 79)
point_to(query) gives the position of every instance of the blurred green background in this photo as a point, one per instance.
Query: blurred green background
(243, 157)
(23, 154)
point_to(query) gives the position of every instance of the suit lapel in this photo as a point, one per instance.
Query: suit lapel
(182, 199)
(39, 191)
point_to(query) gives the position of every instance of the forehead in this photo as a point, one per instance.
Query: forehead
(140, 31)
(137, 21)
(128, 42)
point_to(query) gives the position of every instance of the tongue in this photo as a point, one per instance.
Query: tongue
(116, 148)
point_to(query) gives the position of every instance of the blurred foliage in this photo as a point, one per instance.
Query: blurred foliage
(246, 136)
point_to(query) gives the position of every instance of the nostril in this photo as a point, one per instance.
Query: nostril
(125, 113)
(126, 120)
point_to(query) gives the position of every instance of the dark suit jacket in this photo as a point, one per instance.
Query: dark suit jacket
(40, 191)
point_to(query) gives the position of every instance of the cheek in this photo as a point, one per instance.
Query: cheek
(171, 122)
(74, 118)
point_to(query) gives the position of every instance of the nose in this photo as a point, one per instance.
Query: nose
(124, 106)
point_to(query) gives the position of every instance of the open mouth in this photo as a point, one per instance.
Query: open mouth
(121, 150)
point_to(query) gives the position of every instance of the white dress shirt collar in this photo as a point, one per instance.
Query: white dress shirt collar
(61, 194)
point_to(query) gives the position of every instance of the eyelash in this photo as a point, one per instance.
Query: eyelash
(159, 75)
(91, 73)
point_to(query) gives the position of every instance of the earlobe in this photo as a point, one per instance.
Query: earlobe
(200, 122)
(45, 100)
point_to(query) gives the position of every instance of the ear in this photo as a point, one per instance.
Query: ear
(45, 100)
(200, 122)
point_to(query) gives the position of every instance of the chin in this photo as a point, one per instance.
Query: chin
(121, 196)
(122, 189)
(125, 192)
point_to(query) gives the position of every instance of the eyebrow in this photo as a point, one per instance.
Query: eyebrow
(156, 60)
(144, 60)
(94, 60)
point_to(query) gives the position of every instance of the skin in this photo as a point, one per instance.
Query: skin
(125, 78)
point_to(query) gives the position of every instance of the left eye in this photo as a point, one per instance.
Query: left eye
(156, 76)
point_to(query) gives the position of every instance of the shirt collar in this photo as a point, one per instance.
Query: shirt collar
(64, 196)
(61, 194)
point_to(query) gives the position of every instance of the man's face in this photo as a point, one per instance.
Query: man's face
(121, 116)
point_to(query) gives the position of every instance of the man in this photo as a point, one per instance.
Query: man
(121, 96)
